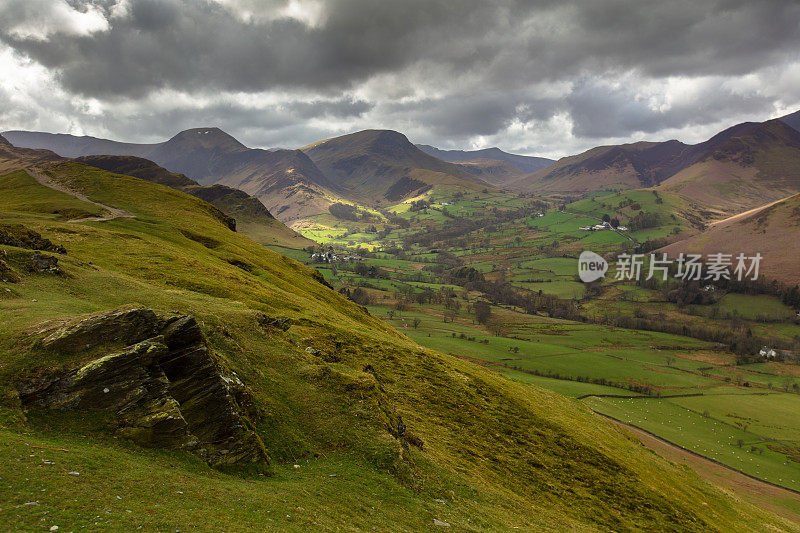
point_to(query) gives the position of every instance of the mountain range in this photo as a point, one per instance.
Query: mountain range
(742, 167)
(12, 157)
(382, 165)
(371, 167)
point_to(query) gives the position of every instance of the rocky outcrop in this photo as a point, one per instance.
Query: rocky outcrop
(268, 322)
(40, 263)
(22, 237)
(165, 387)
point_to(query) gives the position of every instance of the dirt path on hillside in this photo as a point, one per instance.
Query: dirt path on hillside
(47, 181)
(748, 212)
(751, 490)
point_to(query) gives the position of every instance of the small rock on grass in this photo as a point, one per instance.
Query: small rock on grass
(437, 522)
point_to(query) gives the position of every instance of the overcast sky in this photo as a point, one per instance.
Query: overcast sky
(546, 78)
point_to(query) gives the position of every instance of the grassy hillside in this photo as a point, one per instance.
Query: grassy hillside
(497, 455)
(251, 216)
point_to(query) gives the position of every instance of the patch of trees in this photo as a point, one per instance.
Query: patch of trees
(399, 222)
(418, 205)
(685, 293)
(643, 220)
(448, 260)
(370, 271)
(463, 275)
(344, 211)
(358, 295)
(483, 311)
(791, 297)
(650, 245)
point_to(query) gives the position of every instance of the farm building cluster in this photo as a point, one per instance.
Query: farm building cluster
(771, 353)
(330, 257)
(602, 226)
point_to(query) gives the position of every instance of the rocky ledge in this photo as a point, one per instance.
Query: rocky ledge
(165, 387)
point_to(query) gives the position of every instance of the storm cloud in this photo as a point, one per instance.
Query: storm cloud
(545, 77)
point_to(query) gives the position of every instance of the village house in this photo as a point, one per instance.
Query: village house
(768, 353)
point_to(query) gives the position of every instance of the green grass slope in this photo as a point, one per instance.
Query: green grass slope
(498, 455)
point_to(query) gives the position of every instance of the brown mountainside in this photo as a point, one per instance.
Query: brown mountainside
(771, 231)
(377, 165)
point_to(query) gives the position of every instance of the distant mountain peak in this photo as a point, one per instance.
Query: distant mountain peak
(207, 138)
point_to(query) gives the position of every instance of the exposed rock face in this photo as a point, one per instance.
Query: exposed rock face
(166, 388)
(266, 321)
(125, 326)
(39, 263)
(21, 237)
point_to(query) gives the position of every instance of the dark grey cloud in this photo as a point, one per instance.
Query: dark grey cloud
(180, 43)
(450, 70)
(599, 110)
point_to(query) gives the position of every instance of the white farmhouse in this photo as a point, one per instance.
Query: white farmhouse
(768, 353)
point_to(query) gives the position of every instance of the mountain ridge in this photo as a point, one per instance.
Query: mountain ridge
(648, 164)
(771, 231)
(523, 163)
(13, 157)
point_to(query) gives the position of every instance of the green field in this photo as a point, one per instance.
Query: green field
(709, 436)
